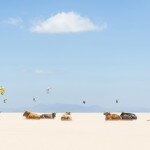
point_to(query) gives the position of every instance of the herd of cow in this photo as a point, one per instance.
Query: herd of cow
(122, 116)
(67, 116)
(30, 115)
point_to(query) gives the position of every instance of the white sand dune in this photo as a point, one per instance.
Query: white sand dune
(86, 132)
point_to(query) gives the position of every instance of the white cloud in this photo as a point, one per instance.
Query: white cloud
(49, 72)
(37, 71)
(69, 22)
(13, 21)
(40, 71)
(43, 71)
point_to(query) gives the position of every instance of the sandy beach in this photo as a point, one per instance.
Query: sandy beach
(87, 131)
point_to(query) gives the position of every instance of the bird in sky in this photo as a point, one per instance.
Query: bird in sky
(84, 102)
(34, 99)
(48, 90)
(117, 101)
(5, 100)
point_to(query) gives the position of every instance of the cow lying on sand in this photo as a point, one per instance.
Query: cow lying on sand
(66, 117)
(48, 116)
(110, 116)
(30, 115)
(128, 116)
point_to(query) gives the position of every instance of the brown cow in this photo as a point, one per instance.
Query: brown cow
(48, 116)
(110, 116)
(30, 115)
(66, 117)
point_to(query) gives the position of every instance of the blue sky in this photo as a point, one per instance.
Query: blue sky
(104, 56)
